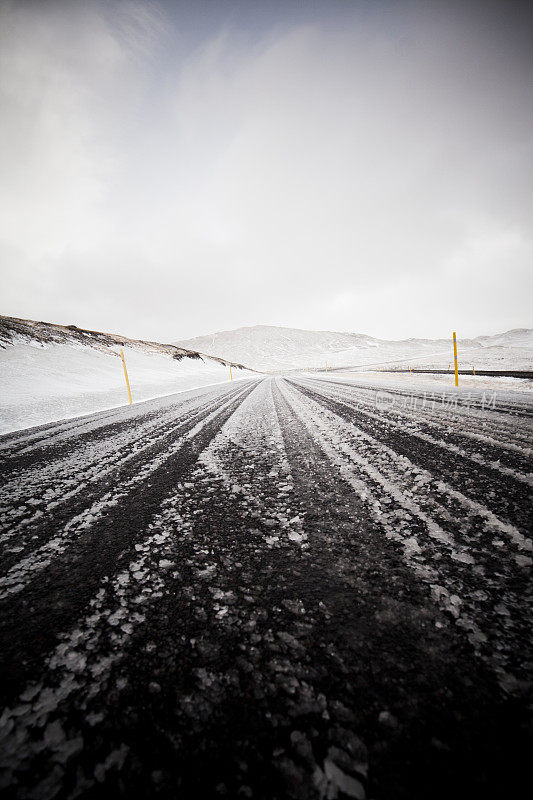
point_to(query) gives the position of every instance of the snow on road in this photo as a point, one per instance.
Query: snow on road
(273, 588)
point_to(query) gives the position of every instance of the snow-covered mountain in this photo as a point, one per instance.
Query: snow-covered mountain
(49, 372)
(266, 347)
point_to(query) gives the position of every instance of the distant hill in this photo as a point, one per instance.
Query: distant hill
(272, 348)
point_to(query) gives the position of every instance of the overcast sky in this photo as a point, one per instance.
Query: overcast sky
(169, 169)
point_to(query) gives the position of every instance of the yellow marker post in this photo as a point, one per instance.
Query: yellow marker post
(126, 374)
(474, 370)
(230, 373)
(455, 358)
(326, 367)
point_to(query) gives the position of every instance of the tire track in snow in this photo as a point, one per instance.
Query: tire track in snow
(493, 615)
(89, 478)
(24, 570)
(44, 437)
(415, 425)
(399, 470)
(502, 496)
(501, 429)
(97, 549)
(519, 405)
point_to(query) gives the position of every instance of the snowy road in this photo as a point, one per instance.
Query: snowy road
(303, 588)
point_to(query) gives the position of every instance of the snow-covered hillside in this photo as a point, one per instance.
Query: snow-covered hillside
(50, 372)
(268, 347)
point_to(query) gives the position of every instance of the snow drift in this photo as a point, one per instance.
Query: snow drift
(51, 372)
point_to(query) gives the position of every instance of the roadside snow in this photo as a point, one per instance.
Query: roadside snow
(50, 382)
(432, 383)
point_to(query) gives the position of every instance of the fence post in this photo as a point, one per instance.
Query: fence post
(455, 358)
(126, 374)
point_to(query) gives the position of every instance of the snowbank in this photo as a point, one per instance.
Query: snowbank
(431, 383)
(45, 382)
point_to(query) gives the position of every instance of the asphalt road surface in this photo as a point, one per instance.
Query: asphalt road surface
(282, 588)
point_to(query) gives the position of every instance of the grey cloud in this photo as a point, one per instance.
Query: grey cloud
(364, 168)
